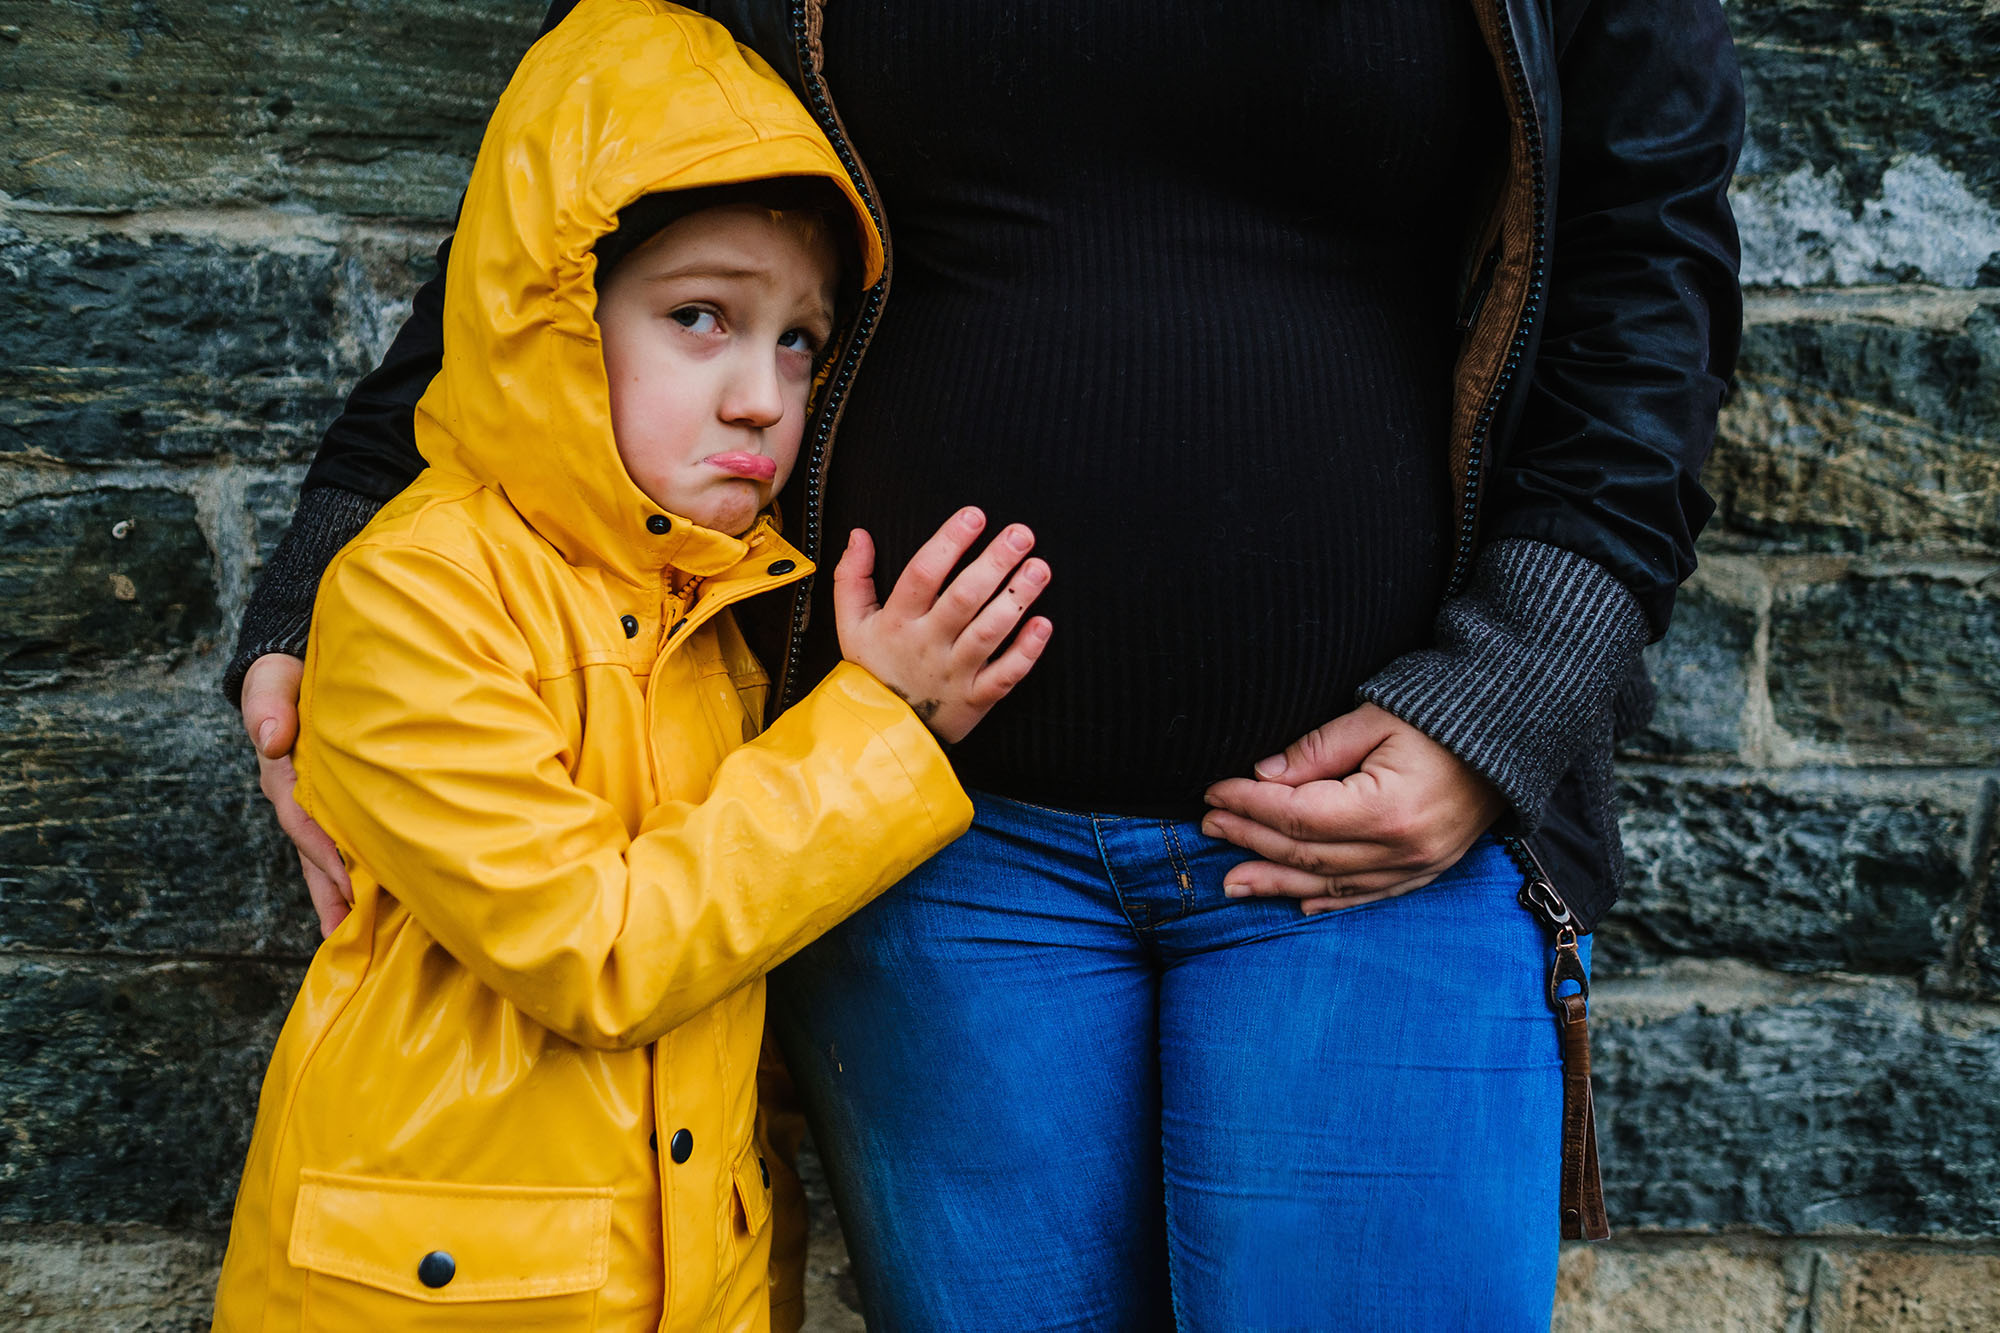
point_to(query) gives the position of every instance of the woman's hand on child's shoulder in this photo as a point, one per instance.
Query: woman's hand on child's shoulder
(939, 647)
(271, 716)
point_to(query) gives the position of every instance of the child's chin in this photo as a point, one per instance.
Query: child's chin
(734, 519)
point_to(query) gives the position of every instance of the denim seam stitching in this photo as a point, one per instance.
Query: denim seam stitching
(1177, 858)
(1111, 877)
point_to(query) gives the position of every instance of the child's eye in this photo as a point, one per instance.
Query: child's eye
(696, 319)
(799, 340)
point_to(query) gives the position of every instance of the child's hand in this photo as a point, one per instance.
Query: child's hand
(936, 649)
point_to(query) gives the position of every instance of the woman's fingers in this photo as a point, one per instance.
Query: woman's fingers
(330, 904)
(1321, 860)
(271, 703)
(1314, 893)
(916, 591)
(277, 778)
(1331, 751)
(1350, 810)
(271, 716)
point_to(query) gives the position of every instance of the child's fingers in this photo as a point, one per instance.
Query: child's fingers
(997, 619)
(1008, 670)
(917, 590)
(975, 584)
(854, 580)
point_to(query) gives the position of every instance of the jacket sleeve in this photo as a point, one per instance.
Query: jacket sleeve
(1590, 518)
(431, 759)
(1644, 313)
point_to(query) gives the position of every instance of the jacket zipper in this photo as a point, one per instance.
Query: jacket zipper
(1546, 904)
(1482, 429)
(820, 449)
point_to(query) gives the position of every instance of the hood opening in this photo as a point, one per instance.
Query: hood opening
(628, 115)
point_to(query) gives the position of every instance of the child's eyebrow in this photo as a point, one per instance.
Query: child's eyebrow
(706, 271)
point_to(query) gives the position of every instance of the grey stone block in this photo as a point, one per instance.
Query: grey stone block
(72, 1279)
(1701, 670)
(1862, 423)
(102, 576)
(366, 107)
(188, 348)
(1890, 669)
(1802, 872)
(1869, 154)
(1824, 1107)
(131, 1088)
(134, 825)
(1976, 971)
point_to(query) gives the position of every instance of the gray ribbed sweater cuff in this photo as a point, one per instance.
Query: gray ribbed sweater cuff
(1526, 661)
(280, 610)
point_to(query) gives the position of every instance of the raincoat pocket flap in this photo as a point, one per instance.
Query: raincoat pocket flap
(753, 1190)
(448, 1244)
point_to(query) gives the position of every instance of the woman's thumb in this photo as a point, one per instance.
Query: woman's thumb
(271, 703)
(1330, 752)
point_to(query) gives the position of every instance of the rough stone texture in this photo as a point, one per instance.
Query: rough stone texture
(130, 1087)
(1914, 1292)
(1701, 671)
(1729, 1097)
(1718, 1288)
(94, 1279)
(133, 826)
(1870, 154)
(102, 576)
(1750, 1283)
(1861, 421)
(1891, 669)
(117, 346)
(1815, 871)
(1976, 973)
(363, 107)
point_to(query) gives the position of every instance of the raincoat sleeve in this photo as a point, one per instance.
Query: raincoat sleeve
(431, 759)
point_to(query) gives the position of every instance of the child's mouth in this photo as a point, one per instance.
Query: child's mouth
(757, 467)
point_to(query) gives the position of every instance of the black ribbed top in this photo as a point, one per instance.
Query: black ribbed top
(1174, 286)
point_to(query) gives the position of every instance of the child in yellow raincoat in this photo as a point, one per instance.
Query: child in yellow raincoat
(518, 1088)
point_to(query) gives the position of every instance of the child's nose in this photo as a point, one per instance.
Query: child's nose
(756, 393)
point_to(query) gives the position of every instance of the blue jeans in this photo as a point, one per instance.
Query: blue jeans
(1058, 1080)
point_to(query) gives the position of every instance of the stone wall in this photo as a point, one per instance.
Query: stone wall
(209, 218)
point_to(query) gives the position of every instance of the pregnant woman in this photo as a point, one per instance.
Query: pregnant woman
(1354, 364)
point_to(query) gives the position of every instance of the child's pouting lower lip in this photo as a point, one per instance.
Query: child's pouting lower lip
(758, 467)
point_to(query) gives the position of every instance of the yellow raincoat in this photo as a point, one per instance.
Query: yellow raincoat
(518, 1088)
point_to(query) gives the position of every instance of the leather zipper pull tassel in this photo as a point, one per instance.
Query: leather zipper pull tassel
(1582, 1189)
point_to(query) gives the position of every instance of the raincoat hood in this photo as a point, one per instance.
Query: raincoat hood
(521, 404)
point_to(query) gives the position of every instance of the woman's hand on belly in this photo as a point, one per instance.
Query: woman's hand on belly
(1363, 808)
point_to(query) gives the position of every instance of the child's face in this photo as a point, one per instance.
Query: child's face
(711, 330)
